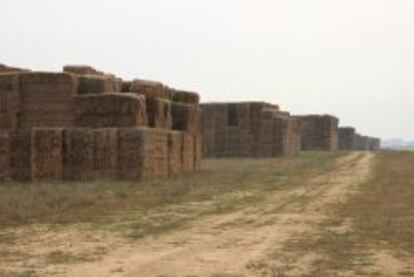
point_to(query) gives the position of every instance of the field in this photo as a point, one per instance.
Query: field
(318, 214)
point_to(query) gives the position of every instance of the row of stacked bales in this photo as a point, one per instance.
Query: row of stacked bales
(84, 124)
(318, 132)
(365, 143)
(248, 129)
(350, 140)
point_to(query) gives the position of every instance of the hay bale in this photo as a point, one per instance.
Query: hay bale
(21, 155)
(198, 155)
(214, 124)
(46, 99)
(185, 97)
(237, 142)
(185, 117)
(47, 154)
(104, 153)
(174, 152)
(96, 84)
(150, 89)
(9, 101)
(188, 152)
(82, 70)
(295, 136)
(159, 113)
(110, 110)
(4, 155)
(143, 152)
(78, 155)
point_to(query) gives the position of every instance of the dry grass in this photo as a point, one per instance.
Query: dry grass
(384, 210)
(382, 218)
(154, 206)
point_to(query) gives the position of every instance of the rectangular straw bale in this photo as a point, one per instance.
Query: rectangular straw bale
(98, 84)
(185, 117)
(174, 152)
(104, 153)
(237, 142)
(188, 149)
(192, 151)
(159, 152)
(4, 154)
(159, 113)
(185, 97)
(143, 152)
(47, 99)
(110, 110)
(78, 154)
(81, 70)
(198, 155)
(150, 89)
(21, 155)
(132, 146)
(294, 136)
(9, 101)
(281, 129)
(47, 154)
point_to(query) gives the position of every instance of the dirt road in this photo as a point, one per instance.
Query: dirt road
(243, 243)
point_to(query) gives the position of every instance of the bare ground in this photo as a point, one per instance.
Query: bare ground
(255, 241)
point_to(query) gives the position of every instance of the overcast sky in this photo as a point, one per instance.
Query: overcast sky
(350, 58)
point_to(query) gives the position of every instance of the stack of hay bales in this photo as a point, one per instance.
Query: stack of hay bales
(319, 132)
(248, 129)
(346, 138)
(158, 102)
(83, 125)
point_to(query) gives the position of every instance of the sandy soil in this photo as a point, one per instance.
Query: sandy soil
(242, 243)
